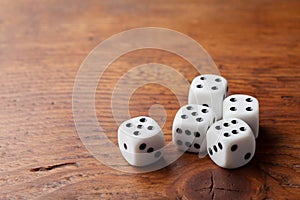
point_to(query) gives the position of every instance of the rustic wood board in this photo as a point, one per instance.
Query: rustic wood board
(42, 44)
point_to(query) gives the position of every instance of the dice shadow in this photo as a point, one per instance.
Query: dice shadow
(266, 145)
(158, 165)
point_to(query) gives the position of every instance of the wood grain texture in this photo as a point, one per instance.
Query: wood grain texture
(42, 44)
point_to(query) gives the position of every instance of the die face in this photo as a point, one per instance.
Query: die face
(141, 141)
(140, 145)
(244, 107)
(189, 138)
(142, 159)
(189, 127)
(230, 143)
(209, 89)
(240, 152)
(140, 127)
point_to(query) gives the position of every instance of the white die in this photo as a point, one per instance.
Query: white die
(244, 107)
(230, 143)
(210, 90)
(189, 128)
(141, 141)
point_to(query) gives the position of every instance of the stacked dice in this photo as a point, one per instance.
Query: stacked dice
(230, 142)
(223, 127)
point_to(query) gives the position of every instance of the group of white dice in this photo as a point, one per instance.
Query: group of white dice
(223, 127)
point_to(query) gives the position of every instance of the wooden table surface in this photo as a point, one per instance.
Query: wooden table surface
(42, 45)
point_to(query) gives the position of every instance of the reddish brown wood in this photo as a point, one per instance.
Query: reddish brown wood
(42, 44)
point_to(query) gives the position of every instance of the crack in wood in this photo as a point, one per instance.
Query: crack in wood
(179, 197)
(272, 176)
(291, 185)
(212, 185)
(287, 97)
(51, 167)
(213, 189)
(230, 190)
(280, 180)
(294, 98)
